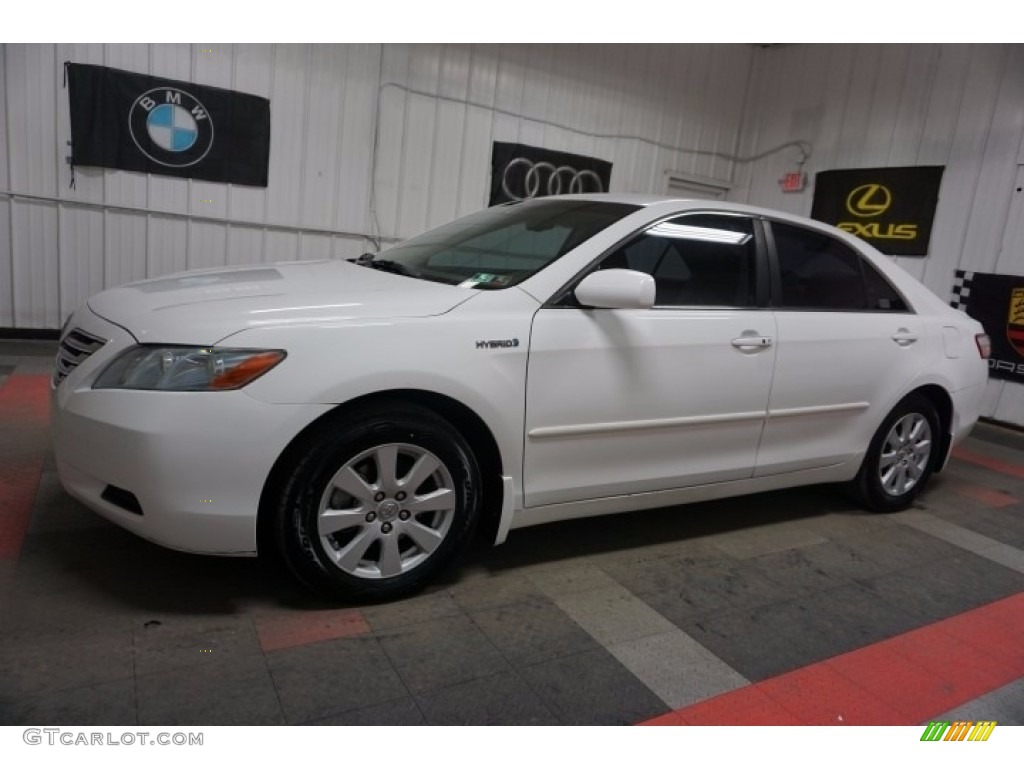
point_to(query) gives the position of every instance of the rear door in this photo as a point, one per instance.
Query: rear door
(848, 343)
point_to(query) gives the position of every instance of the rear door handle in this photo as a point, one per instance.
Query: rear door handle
(752, 342)
(904, 337)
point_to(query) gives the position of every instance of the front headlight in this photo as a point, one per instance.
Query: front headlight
(187, 369)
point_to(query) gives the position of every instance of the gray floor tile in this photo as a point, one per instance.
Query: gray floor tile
(61, 662)
(899, 548)
(941, 589)
(441, 652)
(494, 591)
(843, 562)
(567, 580)
(210, 643)
(504, 699)
(110, 703)
(749, 641)
(741, 584)
(593, 688)
(670, 587)
(835, 526)
(677, 668)
(411, 611)
(963, 537)
(323, 679)
(833, 622)
(531, 632)
(763, 540)
(1004, 705)
(238, 692)
(801, 572)
(398, 712)
(1005, 524)
(612, 614)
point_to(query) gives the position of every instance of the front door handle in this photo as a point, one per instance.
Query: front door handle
(752, 342)
(904, 337)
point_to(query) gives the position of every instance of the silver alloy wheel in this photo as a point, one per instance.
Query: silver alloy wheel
(905, 454)
(386, 511)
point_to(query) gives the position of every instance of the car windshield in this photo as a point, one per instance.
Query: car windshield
(500, 246)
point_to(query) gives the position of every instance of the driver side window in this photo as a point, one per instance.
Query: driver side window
(699, 260)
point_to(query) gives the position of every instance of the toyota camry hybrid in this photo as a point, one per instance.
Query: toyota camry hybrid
(536, 361)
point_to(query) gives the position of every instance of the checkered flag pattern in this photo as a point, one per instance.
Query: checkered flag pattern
(961, 289)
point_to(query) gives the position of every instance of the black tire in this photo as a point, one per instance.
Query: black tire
(336, 443)
(868, 486)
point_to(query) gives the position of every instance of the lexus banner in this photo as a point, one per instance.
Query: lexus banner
(155, 125)
(519, 171)
(997, 302)
(891, 208)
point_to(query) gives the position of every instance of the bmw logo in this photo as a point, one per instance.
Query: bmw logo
(171, 127)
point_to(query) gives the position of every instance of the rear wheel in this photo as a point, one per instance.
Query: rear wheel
(900, 458)
(378, 505)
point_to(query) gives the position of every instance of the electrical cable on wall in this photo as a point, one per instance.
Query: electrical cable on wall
(804, 146)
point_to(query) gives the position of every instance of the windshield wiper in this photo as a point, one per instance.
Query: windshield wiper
(384, 265)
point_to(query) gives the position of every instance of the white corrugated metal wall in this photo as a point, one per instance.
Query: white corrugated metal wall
(441, 106)
(864, 106)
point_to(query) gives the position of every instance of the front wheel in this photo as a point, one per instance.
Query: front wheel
(900, 457)
(379, 504)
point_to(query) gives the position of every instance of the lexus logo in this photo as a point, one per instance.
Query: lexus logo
(869, 200)
(524, 179)
(170, 127)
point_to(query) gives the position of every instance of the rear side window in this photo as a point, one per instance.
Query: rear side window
(701, 260)
(817, 271)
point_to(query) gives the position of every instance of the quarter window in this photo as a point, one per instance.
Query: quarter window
(700, 260)
(881, 295)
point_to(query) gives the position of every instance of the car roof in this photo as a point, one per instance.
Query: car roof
(647, 200)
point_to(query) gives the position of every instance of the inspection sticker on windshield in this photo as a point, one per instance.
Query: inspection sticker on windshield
(483, 277)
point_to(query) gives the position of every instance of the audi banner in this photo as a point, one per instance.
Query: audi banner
(891, 208)
(519, 171)
(997, 302)
(152, 124)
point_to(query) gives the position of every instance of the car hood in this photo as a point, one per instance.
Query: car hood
(204, 306)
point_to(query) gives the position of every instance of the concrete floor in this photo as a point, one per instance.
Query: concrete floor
(789, 607)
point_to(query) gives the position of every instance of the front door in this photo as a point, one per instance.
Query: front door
(623, 401)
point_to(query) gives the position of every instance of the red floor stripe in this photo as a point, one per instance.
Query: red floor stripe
(996, 465)
(292, 629)
(901, 681)
(988, 496)
(25, 414)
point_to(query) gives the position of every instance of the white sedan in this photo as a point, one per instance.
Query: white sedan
(536, 361)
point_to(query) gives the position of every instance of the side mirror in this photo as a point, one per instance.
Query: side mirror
(616, 289)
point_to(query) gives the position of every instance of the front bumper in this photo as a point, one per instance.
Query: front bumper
(196, 461)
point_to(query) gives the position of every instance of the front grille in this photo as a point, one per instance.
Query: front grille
(75, 347)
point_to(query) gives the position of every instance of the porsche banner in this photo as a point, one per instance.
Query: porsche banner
(153, 124)
(891, 208)
(519, 171)
(997, 302)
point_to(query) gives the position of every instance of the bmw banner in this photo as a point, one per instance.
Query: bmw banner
(891, 208)
(519, 171)
(152, 124)
(997, 302)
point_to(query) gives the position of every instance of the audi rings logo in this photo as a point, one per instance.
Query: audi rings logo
(523, 179)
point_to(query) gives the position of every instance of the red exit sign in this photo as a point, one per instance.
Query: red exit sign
(793, 182)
